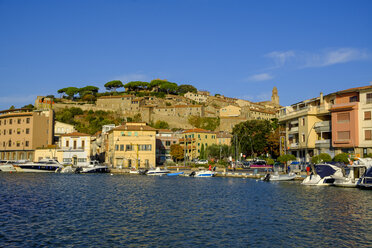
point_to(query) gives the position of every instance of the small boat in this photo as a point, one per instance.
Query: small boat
(44, 165)
(137, 172)
(324, 175)
(353, 172)
(175, 174)
(7, 166)
(157, 172)
(277, 177)
(203, 173)
(66, 169)
(365, 182)
(94, 167)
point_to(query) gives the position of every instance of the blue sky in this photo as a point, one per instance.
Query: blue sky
(236, 48)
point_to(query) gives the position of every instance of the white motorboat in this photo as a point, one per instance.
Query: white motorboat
(353, 172)
(365, 181)
(157, 172)
(203, 173)
(93, 167)
(324, 175)
(66, 169)
(44, 165)
(277, 177)
(7, 166)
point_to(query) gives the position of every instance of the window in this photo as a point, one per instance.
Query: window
(167, 143)
(369, 98)
(121, 147)
(18, 131)
(368, 134)
(0, 122)
(27, 130)
(128, 147)
(303, 121)
(122, 134)
(343, 117)
(4, 122)
(135, 133)
(10, 131)
(19, 121)
(10, 121)
(303, 137)
(116, 147)
(367, 115)
(67, 160)
(28, 120)
(82, 160)
(129, 133)
(83, 144)
(353, 98)
(144, 147)
(67, 143)
(75, 144)
(10, 143)
(129, 163)
(18, 144)
(27, 143)
(4, 131)
(343, 135)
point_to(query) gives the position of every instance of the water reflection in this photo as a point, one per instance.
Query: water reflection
(59, 210)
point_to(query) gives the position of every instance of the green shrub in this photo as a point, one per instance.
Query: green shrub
(342, 157)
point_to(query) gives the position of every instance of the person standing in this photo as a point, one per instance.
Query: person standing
(307, 169)
(210, 167)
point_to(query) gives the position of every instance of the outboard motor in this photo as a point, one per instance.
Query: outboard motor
(267, 177)
(192, 174)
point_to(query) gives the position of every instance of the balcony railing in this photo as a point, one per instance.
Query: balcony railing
(322, 124)
(293, 145)
(325, 141)
(293, 129)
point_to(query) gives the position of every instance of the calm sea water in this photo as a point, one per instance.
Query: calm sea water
(56, 210)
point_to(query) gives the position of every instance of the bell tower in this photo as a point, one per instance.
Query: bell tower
(275, 97)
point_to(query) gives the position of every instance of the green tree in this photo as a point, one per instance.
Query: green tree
(285, 159)
(113, 85)
(170, 88)
(217, 151)
(136, 86)
(208, 123)
(252, 136)
(202, 152)
(184, 88)
(323, 157)
(176, 151)
(342, 157)
(161, 125)
(12, 107)
(92, 90)
(29, 106)
(62, 91)
(71, 92)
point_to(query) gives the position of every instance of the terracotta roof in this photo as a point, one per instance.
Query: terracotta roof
(75, 134)
(197, 130)
(165, 130)
(133, 128)
(355, 89)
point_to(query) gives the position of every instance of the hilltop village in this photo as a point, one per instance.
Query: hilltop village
(146, 127)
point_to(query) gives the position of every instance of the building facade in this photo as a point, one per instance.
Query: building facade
(195, 140)
(164, 140)
(22, 131)
(132, 145)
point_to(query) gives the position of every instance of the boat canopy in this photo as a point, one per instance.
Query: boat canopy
(324, 170)
(368, 172)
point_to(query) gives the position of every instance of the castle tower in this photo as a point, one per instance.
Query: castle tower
(274, 96)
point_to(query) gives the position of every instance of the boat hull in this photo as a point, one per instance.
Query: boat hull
(7, 168)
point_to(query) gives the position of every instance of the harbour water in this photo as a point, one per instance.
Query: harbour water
(103, 210)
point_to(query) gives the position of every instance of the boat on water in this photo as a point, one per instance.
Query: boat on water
(352, 173)
(203, 173)
(323, 176)
(94, 166)
(44, 165)
(157, 172)
(66, 169)
(277, 177)
(7, 166)
(175, 174)
(365, 181)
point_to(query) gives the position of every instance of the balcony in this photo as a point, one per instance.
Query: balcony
(293, 130)
(326, 143)
(293, 145)
(322, 126)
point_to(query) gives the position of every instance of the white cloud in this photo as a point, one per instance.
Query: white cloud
(264, 96)
(260, 77)
(332, 57)
(280, 58)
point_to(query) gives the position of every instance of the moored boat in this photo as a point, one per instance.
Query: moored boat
(94, 167)
(277, 177)
(44, 165)
(353, 172)
(175, 174)
(7, 166)
(323, 176)
(365, 181)
(203, 173)
(157, 172)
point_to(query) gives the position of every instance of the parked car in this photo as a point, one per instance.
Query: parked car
(246, 164)
(202, 161)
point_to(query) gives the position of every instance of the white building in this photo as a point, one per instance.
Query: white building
(76, 148)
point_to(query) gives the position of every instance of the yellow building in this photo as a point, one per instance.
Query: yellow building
(193, 139)
(230, 111)
(224, 138)
(132, 145)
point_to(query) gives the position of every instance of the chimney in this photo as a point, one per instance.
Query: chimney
(321, 98)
